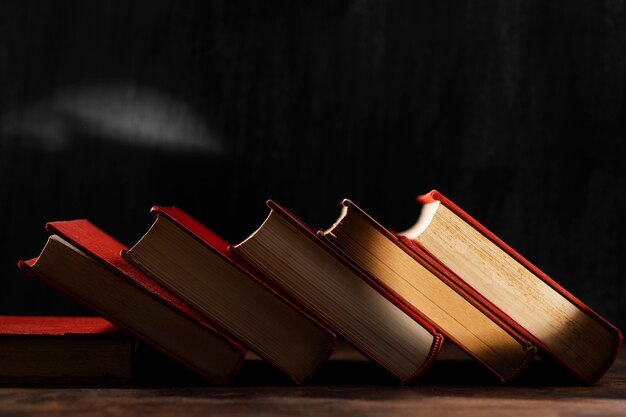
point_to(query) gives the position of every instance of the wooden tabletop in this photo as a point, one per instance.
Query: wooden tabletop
(346, 385)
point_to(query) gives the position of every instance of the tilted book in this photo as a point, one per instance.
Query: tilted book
(53, 350)
(186, 257)
(513, 288)
(85, 263)
(324, 282)
(410, 277)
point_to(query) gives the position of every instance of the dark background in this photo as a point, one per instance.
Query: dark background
(514, 109)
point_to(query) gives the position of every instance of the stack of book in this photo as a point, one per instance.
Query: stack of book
(287, 292)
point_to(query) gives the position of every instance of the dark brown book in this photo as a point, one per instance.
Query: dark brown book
(64, 350)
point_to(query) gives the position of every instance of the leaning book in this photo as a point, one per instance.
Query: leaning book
(430, 292)
(85, 263)
(327, 284)
(183, 255)
(561, 325)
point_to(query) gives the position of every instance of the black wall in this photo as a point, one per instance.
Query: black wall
(515, 110)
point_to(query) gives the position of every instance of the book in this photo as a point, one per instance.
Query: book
(184, 256)
(85, 263)
(50, 350)
(326, 284)
(411, 278)
(561, 325)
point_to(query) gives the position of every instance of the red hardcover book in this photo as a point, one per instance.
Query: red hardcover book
(325, 283)
(433, 294)
(64, 350)
(513, 288)
(85, 263)
(184, 256)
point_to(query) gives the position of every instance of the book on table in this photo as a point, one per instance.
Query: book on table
(193, 262)
(560, 324)
(85, 263)
(325, 283)
(53, 350)
(431, 292)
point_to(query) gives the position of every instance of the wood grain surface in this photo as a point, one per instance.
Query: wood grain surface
(346, 386)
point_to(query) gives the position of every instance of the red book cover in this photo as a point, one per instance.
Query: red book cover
(433, 196)
(445, 276)
(310, 234)
(219, 246)
(105, 249)
(56, 326)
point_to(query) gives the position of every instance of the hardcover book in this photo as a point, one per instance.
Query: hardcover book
(85, 263)
(325, 283)
(517, 291)
(193, 262)
(64, 350)
(410, 277)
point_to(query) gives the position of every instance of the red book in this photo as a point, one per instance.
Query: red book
(325, 283)
(85, 263)
(515, 290)
(64, 350)
(429, 292)
(193, 262)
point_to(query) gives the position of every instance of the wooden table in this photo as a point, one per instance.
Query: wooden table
(347, 385)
